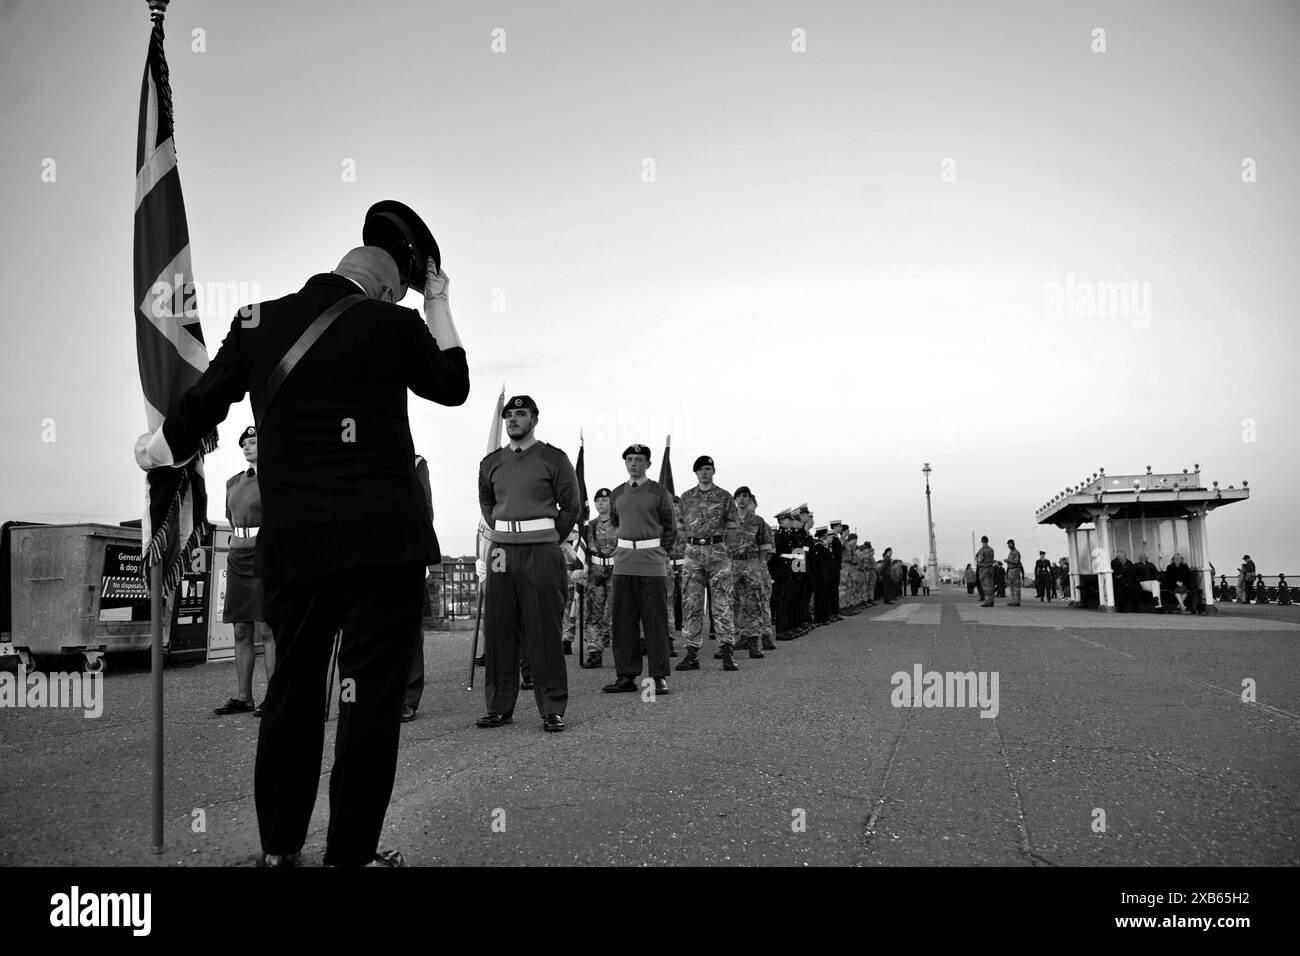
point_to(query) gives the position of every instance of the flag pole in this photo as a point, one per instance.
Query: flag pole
(156, 676)
(157, 9)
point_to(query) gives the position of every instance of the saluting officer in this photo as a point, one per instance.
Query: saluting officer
(528, 493)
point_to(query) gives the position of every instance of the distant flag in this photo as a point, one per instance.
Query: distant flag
(666, 468)
(494, 430)
(493, 443)
(168, 337)
(581, 548)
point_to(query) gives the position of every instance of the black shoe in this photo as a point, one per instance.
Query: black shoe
(624, 685)
(568, 648)
(987, 604)
(728, 664)
(493, 719)
(279, 861)
(595, 659)
(661, 686)
(387, 858)
(552, 723)
(408, 714)
(691, 662)
(785, 636)
(480, 661)
(234, 706)
(755, 652)
(767, 643)
(526, 684)
(257, 711)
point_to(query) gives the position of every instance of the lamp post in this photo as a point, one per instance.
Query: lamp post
(929, 520)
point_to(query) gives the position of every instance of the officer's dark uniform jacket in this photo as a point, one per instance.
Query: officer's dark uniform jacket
(336, 463)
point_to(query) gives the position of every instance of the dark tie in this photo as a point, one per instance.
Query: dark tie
(519, 451)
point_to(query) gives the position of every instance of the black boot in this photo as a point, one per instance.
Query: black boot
(568, 647)
(691, 662)
(728, 664)
(754, 650)
(767, 643)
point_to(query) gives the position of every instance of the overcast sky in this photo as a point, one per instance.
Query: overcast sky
(823, 268)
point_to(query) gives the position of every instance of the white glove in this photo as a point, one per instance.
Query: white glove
(577, 577)
(437, 310)
(435, 282)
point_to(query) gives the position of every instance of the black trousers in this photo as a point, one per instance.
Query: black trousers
(523, 616)
(780, 605)
(639, 603)
(823, 598)
(378, 609)
(415, 679)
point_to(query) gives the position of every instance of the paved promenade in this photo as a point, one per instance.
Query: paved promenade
(797, 759)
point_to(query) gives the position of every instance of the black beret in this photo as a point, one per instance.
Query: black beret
(519, 401)
(637, 450)
(701, 462)
(742, 490)
(602, 493)
(246, 434)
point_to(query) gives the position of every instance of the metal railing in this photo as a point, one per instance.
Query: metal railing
(1263, 592)
(458, 593)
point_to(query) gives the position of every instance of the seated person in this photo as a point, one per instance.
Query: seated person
(1180, 584)
(1283, 590)
(1148, 579)
(1124, 580)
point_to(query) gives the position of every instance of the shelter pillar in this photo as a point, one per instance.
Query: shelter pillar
(1198, 534)
(1072, 554)
(1105, 578)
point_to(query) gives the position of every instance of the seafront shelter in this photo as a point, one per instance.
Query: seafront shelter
(1160, 514)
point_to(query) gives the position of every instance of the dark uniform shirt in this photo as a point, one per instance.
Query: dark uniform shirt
(243, 510)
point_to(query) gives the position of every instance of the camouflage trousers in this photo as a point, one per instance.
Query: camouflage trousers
(707, 565)
(986, 582)
(1015, 579)
(748, 597)
(598, 610)
(570, 614)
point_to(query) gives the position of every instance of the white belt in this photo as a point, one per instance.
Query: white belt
(245, 532)
(531, 524)
(677, 562)
(606, 562)
(638, 545)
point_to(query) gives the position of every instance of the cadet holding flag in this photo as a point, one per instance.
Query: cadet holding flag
(528, 493)
(707, 517)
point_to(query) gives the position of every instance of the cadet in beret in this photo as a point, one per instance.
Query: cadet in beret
(601, 539)
(642, 513)
(528, 493)
(749, 549)
(707, 517)
(243, 606)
